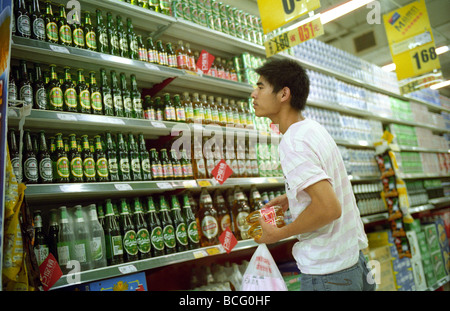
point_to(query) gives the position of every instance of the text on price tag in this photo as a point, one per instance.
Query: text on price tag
(305, 32)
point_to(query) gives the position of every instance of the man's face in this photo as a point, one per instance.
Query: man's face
(265, 102)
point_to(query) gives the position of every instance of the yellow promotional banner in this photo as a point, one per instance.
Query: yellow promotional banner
(411, 40)
(294, 37)
(276, 13)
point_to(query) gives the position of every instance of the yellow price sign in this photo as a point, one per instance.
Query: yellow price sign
(304, 32)
(204, 183)
(411, 40)
(276, 13)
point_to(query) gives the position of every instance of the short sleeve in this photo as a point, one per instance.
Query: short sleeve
(301, 167)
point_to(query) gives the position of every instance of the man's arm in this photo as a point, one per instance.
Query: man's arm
(323, 209)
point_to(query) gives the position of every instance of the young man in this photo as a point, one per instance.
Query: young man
(318, 192)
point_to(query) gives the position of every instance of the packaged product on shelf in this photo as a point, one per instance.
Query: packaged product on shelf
(208, 220)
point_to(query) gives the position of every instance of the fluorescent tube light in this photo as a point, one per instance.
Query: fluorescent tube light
(341, 10)
(440, 85)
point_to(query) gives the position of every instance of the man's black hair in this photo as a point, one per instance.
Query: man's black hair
(280, 73)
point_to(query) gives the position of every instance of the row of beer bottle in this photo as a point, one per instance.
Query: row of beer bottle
(49, 90)
(205, 109)
(60, 159)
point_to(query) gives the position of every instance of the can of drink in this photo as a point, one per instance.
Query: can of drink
(209, 19)
(246, 60)
(194, 14)
(248, 20)
(246, 33)
(217, 21)
(202, 20)
(237, 63)
(232, 28)
(215, 7)
(177, 8)
(238, 30)
(204, 5)
(186, 9)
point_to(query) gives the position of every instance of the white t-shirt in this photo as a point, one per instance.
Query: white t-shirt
(308, 154)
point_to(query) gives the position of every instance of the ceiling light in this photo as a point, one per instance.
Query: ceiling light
(341, 10)
(440, 85)
(389, 67)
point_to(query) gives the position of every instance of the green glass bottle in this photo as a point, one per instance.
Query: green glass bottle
(84, 97)
(136, 171)
(113, 37)
(143, 236)
(191, 224)
(152, 52)
(76, 163)
(101, 164)
(113, 237)
(133, 46)
(51, 28)
(154, 5)
(128, 233)
(136, 99)
(107, 98)
(88, 160)
(157, 172)
(179, 225)
(96, 95)
(101, 33)
(64, 30)
(124, 162)
(116, 95)
(60, 161)
(155, 229)
(70, 94)
(170, 241)
(78, 32)
(126, 97)
(40, 94)
(44, 161)
(123, 41)
(111, 156)
(89, 32)
(145, 159)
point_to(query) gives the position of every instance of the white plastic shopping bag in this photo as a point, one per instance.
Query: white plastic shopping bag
(262, 273)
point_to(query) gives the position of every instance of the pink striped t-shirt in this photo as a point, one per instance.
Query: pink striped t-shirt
(309, 154)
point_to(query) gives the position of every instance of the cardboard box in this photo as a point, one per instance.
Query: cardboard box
(413, 244)
(414, 226)
(423, 246)
(431, 237)
(130, 282)
(386, 278)
(419, 274)
(438, 265)
(428, 270)
(404, 277)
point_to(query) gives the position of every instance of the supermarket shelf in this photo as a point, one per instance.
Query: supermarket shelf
(363, 178)
(440, 201)
(81, 191)
(355, 143)
(146, 73)
(151, 263)
(422, 149)
(421, 175)
(69, 121)
(374, 116)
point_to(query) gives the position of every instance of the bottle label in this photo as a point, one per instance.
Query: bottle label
(78, 37)
(182, 60)
(107, 101)
(41, 252)
(63, 253)
(91, 41)
(23, 25)
(70, 98)
(181, 115)
(167, 170)
(56, 97)
(136, 165)
(225, 222)
(31, 169)
(76, 167)
(41, 98)
(157, 238)
(62, 167)
(26, 94)
(123, 44)
(192, 231)
(15, 163)
(189, 111)
(130, 242)
(52, 31)
(169, 236)
(12, 91)
(125, 165)
(210, 227)
(96, 101)
(187, 170)
(156, 171)
(177, 172)
(137, 105)
(96, 248)
(118, 104)
(116, 244)
(45, 169)
(80, 251)
(65, 34)
(181, 234)
(39, 28)
(198, 114)
(112, 166)
(172, 60)
(134, 46)
(103, 39)
(85, 99)
(152, 56)
(115, 42)
(102, 167)
(127, 104)
(146, 166)
(143, 240)
(242, 224)
(89, 167)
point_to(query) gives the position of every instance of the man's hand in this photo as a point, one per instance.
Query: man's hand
(281, 200)
(269, 233)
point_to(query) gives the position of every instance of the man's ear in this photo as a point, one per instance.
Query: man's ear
(285, 94)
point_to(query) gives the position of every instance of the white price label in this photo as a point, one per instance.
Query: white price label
(164, 185)
(123, 187)
(152, 67)
(66, 117)
(158, 124)
(59, 49)
(127, 269)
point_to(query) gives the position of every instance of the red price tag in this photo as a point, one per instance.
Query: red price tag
(205, 61)
(228, 240)
(50, 272)
(222, 171)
